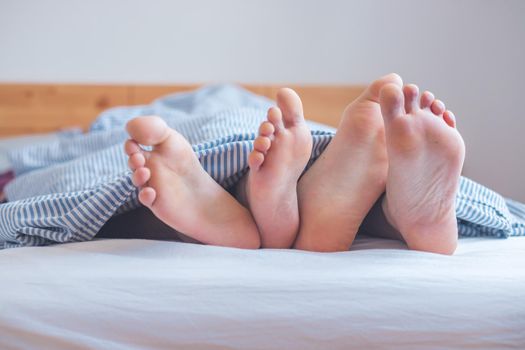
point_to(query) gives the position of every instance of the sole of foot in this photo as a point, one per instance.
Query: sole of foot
(338, 190)
(175, 187)
(281, 152)
(426, 154)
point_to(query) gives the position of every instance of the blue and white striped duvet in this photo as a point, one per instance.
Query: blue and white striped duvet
(67, 189)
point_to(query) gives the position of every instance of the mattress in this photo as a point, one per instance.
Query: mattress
(139, 294)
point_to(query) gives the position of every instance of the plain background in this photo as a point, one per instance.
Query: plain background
(469, 53)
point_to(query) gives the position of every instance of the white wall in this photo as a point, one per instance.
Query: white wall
(469, 53)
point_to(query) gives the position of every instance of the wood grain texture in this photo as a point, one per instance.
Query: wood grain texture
(26, 109)
(34, 108)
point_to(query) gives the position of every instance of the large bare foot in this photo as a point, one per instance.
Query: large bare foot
(175, 187)
(337, 192)
(426, 154)
(280, 154)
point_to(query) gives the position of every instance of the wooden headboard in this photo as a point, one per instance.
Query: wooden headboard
(34, 108)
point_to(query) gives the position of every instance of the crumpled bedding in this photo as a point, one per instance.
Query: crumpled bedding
(66, 189)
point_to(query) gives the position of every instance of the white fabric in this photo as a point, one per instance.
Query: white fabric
(137, 294)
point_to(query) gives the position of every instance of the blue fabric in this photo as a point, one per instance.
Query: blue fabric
(67, 189)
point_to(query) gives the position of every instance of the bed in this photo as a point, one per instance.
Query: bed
(145, 294)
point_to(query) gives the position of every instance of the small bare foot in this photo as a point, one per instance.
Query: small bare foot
(426, 154)
(280, 154)
(175, 187)
(337, 192)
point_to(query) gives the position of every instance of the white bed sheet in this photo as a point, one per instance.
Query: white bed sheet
(138, 294)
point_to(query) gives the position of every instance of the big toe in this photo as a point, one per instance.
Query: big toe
(374, 89)
(148, 130)
(391, 100)
(291, 106)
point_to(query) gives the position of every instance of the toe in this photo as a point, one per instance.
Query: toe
(449, 118)
(437, 107)
(276, 118)
(426, 99)
(147, 196)
(140, 177)
(131, 147)
(148, 130)
(411, 93)
(136, 160)
(255, 160)
(266, 129)
(262, 144)
(373, 90)
(291, 107)
(391, 100)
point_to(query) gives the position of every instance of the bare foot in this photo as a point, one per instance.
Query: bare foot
(426, 154)
(281, 152)
(175, 187)
(337, 192)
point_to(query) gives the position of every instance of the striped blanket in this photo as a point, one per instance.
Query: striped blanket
(65, 190)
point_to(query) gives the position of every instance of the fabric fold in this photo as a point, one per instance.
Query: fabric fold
(66, 190)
